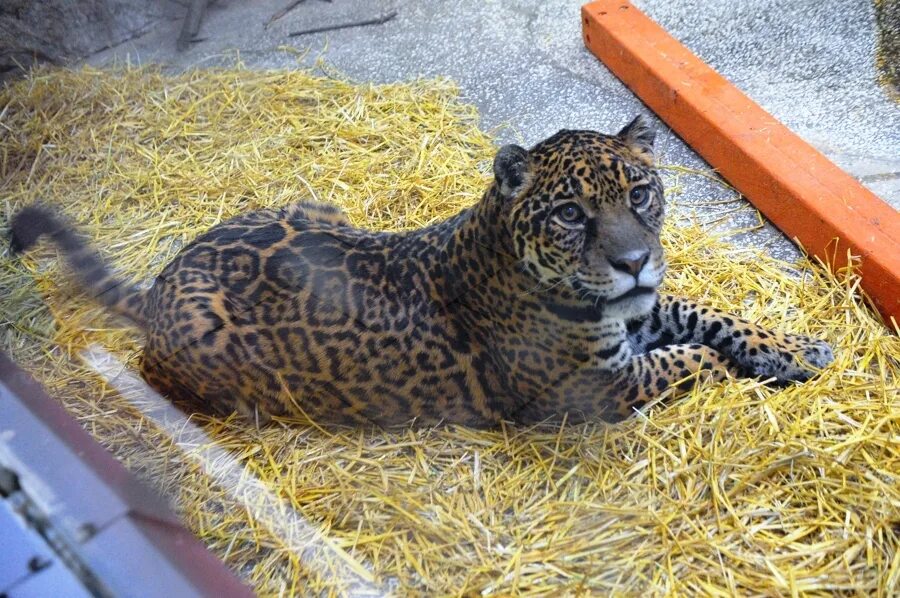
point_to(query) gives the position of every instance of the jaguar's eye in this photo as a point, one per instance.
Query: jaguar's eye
(569, 214)
(639, 196)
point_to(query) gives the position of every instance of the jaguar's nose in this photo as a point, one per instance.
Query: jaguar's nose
(630, 262)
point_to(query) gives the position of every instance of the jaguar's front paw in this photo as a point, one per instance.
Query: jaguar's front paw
(788, 359)
(817, 353)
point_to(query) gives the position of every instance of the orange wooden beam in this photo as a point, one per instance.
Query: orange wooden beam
(805, 195)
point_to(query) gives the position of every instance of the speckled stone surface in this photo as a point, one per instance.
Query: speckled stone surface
(522, 62)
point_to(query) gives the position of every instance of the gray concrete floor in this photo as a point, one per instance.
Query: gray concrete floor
(522, 62)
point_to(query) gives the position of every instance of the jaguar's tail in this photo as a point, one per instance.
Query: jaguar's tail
(88, 269)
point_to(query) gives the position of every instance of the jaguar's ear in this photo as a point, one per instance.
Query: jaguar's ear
(511, 169)
(638, 135)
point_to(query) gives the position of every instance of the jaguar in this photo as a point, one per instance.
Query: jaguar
(541, 301)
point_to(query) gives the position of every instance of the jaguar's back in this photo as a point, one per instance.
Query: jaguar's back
(294, 310)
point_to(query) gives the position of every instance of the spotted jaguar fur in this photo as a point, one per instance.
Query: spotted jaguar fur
(540, 300)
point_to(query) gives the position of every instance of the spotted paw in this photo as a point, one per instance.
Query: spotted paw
(818, 353)
(789, 359)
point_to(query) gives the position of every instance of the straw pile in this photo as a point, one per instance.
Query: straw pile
(739, 488)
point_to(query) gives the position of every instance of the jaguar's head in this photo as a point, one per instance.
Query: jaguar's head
(585, 211)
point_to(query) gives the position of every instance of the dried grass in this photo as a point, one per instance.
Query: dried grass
(737, 489)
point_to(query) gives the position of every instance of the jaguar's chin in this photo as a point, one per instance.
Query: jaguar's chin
(635, 293)
(636, 303)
